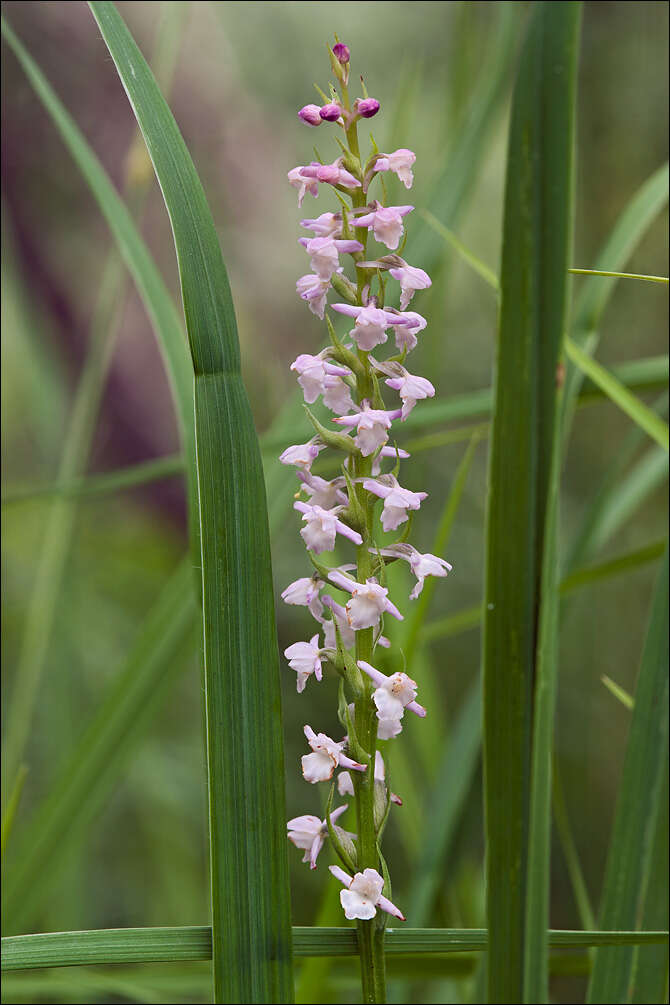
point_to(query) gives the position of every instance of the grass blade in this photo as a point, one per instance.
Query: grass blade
(249, 864)
(172, 945)
(629, 858)
(533, 284)
(158, 654)
(626, 699)
(621, 396)
(619, 275)
(650, 974)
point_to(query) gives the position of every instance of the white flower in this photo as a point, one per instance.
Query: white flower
(363, 895)
(410, 387)
(345, 785)
(337, 395)
(315, 373)
(371, 324)
(397, 500)
(321, 528)
(305, 593)
(303, 184)
(327, 755)
(325, 225)
(421, 565)
(347, 633)
(368, 601)
(393, 695)
(306, 659)
(407, 326)
(309, 833)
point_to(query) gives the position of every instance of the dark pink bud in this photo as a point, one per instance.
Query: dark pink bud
(310, 114)
(367, 107)
(330, 113)
(341, 53)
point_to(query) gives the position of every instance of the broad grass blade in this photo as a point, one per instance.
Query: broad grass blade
(522, 482)
(629, 860)
(160, 651)
(248, 856)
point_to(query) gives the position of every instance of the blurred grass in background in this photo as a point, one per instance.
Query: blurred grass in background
(245, 67)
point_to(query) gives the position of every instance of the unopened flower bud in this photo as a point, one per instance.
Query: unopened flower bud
(367, 107)
(330, 113)
(341, 52)
(310, 115)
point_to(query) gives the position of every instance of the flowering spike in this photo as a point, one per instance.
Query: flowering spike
(371, 393)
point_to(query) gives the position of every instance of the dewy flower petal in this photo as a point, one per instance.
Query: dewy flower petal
(411, 279)
(321, 528)
(363, 895)
(400, 162)
(305, 658)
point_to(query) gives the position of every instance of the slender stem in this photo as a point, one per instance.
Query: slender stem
(370, 933)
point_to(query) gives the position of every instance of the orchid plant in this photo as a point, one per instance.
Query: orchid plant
(349, 380)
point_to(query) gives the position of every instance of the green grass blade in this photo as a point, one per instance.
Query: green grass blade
(248, 855)
(629, 859)
(619, 275)
(172, 945)
(475, 263)
(613, 566)
(579, 888)
(9, 813)
(159, 652)
(595, 294)
(620, 395)
(619, 693)
(650, 974)
(536, 245)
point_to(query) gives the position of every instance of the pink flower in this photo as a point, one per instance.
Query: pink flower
(372, 425)
(309, 833)
(397, 453)
(310, 115)
(366, 107)
(363, 895)
(410, 388)
(411, 279)
(331, 174)
(302, 455)
(345, 785)
(302, 183)
(393, 695)
(368, 601)
(326, 225)
(330, 112)
(421, 565)
(370, 326)
(321, 492)
(305, 593)
(397, 500)
(400, 162)
(314, 290)
(324, 253)
(313, 372)
(306, 659)
(407, 326)
(321, 528)
(347, 633)
(386, 223)
(327, 755)
(337, 396)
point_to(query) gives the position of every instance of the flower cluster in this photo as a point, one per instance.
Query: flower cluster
(348, 380)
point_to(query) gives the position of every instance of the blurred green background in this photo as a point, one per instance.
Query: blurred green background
(242, 70)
